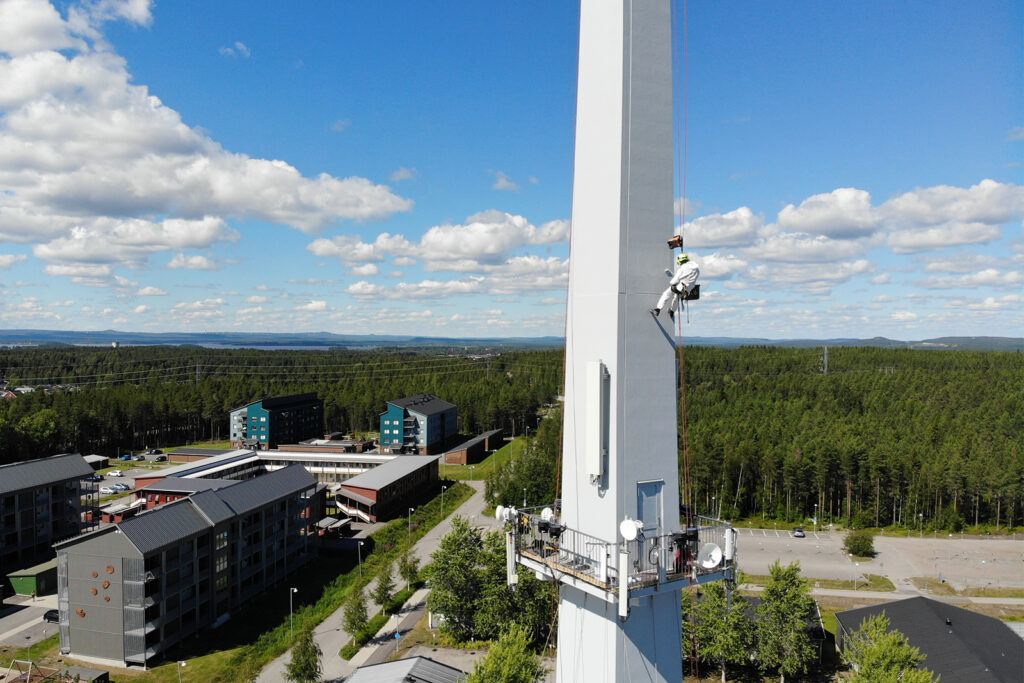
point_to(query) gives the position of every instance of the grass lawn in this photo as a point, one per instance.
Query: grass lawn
(485, 467)
(869, 582)
(937, 587)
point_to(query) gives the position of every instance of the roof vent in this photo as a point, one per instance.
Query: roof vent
(949, 622)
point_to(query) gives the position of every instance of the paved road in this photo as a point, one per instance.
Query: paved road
(331, 635)
(21, 620)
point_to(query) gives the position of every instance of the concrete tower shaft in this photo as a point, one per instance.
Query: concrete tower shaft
(620, 438)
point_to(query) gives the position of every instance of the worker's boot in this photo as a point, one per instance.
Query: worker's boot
(655, 312)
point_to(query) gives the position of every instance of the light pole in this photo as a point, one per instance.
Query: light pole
(920, 524)
(713, 506)
(180, 665)
(291, 618)
(815, 518)
(359, 557)
(28, 639)
(471, 472)
(410, 526)
(442, 501)
(524, 496)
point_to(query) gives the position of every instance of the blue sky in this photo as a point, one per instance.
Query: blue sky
(406, 168)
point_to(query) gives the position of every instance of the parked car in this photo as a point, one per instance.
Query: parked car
(126, 456)
(121, 486)
(139, 458)
(154, 451)
(115, 473)
(52, 616)
(160, 458)
(94, 477)
(798, 532)
(107, 491)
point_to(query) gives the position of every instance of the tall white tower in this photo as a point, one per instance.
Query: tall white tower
(620, 612)
(621, 219)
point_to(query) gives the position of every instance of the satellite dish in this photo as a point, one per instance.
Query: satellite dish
(630, 528)
(547, 514)
(710, 556)
(499, 513)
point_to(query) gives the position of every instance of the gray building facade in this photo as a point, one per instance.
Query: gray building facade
(40, 503)
(127, 593)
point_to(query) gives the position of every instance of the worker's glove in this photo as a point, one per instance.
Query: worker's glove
(668, 272)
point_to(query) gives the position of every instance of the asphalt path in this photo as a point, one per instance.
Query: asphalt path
(331, 635)
(21, 620)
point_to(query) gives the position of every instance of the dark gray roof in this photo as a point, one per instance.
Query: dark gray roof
(42, 472)
(163, 526)
(210, 504)
(383, 475)
(281, 402)
(472, 441)
(972, 647)
(352, 495)
(411, 669)
(190, 485)
(253, 493)
(424, 404)
(209, 452)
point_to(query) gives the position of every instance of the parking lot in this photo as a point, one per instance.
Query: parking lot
(963, 562)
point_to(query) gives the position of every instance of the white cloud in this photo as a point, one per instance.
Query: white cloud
(341, 125)
(992, 303)
(250, 311)
(950, 234)
(313, 306)
(486, 239)
(239, 49)
(141, 308)
(8, 260)
(195, 262)
(1016, 133)
(256, 299)
(109, 240)
(365, 270)
(961, 262)
(403, 173)
(427, 289)
(989, 277)
(715, 266)
(804, 248)
(78, 270)
(882, 279)
(199, 306)
(403, 261)
(28, 26)
(844, 212)
(736, 228)
(809, 273)
(503, 182)
(151, 291)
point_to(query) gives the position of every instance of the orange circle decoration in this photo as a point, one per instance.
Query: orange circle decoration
(80, 612)
(106, 585)
(95, 574)
(110, 570)
(93, 591)
(106, 598)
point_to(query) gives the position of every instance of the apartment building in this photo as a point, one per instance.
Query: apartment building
(130, 591)
(282, 419)
(40, 503)
(423, 424)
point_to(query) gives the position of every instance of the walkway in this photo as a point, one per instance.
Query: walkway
(331, 635)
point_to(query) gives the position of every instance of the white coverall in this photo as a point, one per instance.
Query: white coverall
(683, 281)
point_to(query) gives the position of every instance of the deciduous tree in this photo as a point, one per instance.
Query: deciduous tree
(783, 617)
(509, 660)
(879, 654)
(305, 665)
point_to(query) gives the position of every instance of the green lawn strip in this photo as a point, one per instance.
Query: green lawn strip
(933, 585)
(939, 588)
(868, 582)
(486, 467)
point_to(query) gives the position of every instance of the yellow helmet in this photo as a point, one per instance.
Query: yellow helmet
(683, 258)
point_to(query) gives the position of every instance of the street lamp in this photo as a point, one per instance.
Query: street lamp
(815, 518)
(359, 557)
(291, 619)
(713, 506)
(471, 472)
(920, 524)
(180, 665)
(410, 526)
(524, 496)
(442, 501)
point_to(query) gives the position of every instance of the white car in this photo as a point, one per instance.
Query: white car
(115, 473)
(107, 491)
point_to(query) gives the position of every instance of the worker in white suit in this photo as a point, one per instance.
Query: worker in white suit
(682, 282)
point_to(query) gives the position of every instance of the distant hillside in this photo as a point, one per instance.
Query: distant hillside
(363, 341)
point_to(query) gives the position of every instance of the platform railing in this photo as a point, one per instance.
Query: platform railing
(653, 559)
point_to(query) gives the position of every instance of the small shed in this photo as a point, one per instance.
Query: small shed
(40, 580)
(97, 462)
(86, 675)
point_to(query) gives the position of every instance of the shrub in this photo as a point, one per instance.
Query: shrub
(860, 543)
